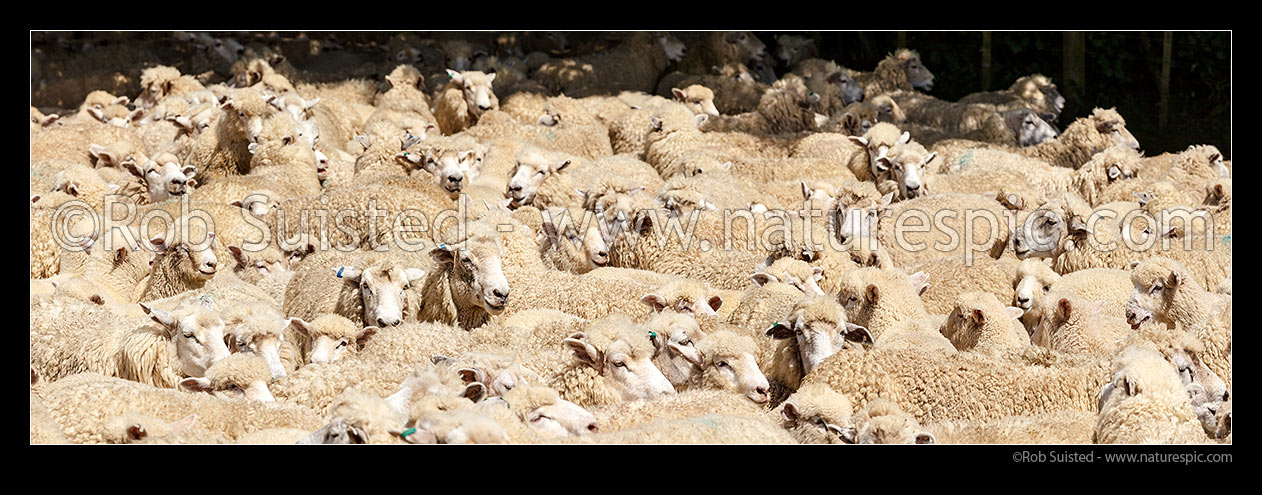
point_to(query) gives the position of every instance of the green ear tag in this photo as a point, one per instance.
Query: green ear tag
(407, 432)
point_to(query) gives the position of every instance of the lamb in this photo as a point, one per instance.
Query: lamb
(901, 70)
(453, 162)
(1074, 147)
(612, 363)
(184, 342)
(238, 375)
(818, 414)
(460, 103)
(1144, 402)
(638, 62)
(1035, 91)
(980, 323)
(1166, 293)
(374, 288)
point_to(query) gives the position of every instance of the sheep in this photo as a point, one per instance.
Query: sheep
(258, 329)
(905, 164)
(180, 264)
(223, 149)
(950, 276)
(564, 245)
(786, 107)
(722, 47)
(461, 102)
(374, 288)
(163, 177)
(317, 386)
(814, 329)
(728, 90)
(1165, 293)
(1034, 278)
(881, 421)
(700, 259)
(726, 361)
(638, 62)
(467, 285)
(537, 177)
(675, 337)
(884, 302)
(162, 81)
(136, 428)
(1035, 91)
(1060, 427)
(74, 142)
(1144, 402)
(238, 375)
(933, 386)
(901, 70)
(980, 323)
(708, 429)
(536, 414)
(612, 362)
(817, 414)
(857, 118)
(454, 162)
(119, 273)
(1075, 146)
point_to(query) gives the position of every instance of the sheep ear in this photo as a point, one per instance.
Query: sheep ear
(779, 331)
(161, 317)
(887, 199)
(930, 157)
(859, 140)
(455, 76)
(475, 391)
(1014, 313)
(701, 119)
(1130, 386)
(563, 165)
(196, 384)
(584, 352)
(925, 437)
(443, 254)
(904, 138)
(490, 77)
(301, 325)
(697, 359)
(1176, 278)
(806, 190)
(1134, 264)
(348, 272)
(679, 93)
(790, 412)
(657, 302)
(847, 434)
(239, 255)
(189, 171)
(978, 317)
(763, 278)
(1064, 309)
(873, 293)
(136, 432)
(413, 274)
(858, 333)
(918, 279)
(715, 302)
(726, 166)
(470, 375)
(366, 333)
(178, 426)
(131, 167)
(96, 113)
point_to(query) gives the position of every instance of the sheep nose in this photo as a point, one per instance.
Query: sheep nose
(1226, 395)
(210, 264)
(514, 188)
(502, 295)
(1130, 316)
(602, 253)
(387, 323)
(1023, 300)
(455, 180)
(484, 107)
(593, 428)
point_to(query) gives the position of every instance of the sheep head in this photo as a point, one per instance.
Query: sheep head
(383, 287)
(476, 273)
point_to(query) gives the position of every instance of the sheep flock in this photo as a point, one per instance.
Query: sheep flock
(624, 237)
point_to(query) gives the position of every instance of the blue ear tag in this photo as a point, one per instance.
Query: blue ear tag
(339, 271)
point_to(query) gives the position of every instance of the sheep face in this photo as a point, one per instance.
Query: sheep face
(917, 74)
(1154, 289)
(561, 419)
(1029, 128)
(631, 374)
(673, 48)
(251, 123)
(859, 220)
(187, 260)
(745, 45)
(1206, 390)
(908, 169)
(265, 344)
(1117, 132)
(809, 286)
(816, 339)
(675, 337)
(851, 92)
(1032, 283)
(792, 49)
(476, 87)
(1039, 235)
(165, 180)
(336, 432)
(728, 363)
(383, 289)
(328, 342)
(683, 298)
(698, 99)
(584, 252)
(815, 428)
(453, 169)
(255, 390)
(476, 273)
(197, 334)
(528, 174)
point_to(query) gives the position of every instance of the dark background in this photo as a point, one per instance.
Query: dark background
(1123, 70)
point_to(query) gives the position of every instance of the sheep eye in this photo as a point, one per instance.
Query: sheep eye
(1047, 288)
(1156, 288)
(721, 364)
(467, 260)
(686, 342)
(538, 418)
(620, 364)
(341, 344)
